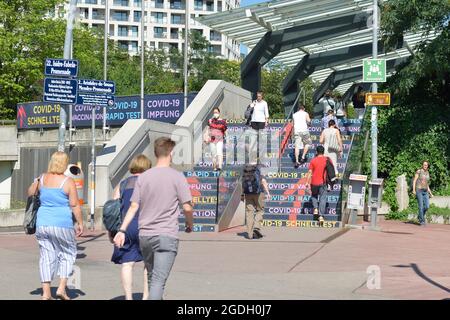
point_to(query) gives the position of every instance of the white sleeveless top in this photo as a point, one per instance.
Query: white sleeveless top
(300, 124)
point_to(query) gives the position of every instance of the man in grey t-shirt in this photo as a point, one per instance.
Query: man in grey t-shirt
(158, 194)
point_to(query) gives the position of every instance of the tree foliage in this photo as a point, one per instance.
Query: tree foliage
(416, 127)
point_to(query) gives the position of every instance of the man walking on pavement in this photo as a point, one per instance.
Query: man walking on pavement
(253, 184)
(158, 194)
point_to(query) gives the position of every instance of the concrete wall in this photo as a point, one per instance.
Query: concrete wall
(6, 168)
(36, 147)
(135, 137)
(441, 201)
(8, 143)
(231, 100)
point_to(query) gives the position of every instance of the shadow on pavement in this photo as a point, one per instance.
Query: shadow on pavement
(72, 293)
(136, 296)
(419, 272)
(92, 238)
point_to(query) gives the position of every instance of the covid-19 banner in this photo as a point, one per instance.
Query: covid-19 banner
(160, 107)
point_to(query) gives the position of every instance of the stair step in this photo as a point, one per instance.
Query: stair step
(199, 220)
(292, 198)
(208, 213)
(301, 223)
(279, 211)
(200, 227)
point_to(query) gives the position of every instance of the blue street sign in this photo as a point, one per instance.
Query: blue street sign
(97, 86)
(101, 100)
(60, 90)
(61, 67)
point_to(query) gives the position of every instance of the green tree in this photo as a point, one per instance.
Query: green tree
(28, 35)
(416, 127)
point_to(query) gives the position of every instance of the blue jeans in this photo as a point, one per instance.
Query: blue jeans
(320, 192)
(424, 203)
(159, 254)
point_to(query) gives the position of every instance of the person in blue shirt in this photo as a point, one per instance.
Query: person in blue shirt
(55, 231)
(130, 253)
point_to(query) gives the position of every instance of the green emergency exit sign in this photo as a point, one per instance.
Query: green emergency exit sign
(374, 70)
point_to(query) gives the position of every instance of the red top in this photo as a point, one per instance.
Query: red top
(317, 166)
(217, 129)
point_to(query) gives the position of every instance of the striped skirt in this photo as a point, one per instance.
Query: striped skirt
(58, 251)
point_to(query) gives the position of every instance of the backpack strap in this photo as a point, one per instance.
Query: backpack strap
(122, 187)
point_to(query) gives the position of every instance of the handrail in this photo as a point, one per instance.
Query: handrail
(223, 172)
(282, 142)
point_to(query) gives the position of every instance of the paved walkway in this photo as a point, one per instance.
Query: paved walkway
(412, 263)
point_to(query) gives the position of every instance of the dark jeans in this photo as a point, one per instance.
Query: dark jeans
(159, 254)
(319, 197)
(424, 203)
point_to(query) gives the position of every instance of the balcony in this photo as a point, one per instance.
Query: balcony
(177, 6)
(160, 35)
(210, 7)
(98, 16)
(174, 36)
(177, 21)
(121, 3)
(119, 18)
(216, 38)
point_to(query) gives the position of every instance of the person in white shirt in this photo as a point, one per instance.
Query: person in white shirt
(339, 109)
(260, 115)
(302, 138)
(327, 102)
(259, 120)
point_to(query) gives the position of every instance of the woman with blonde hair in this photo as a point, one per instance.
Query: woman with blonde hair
(130, 253)
(55, 230)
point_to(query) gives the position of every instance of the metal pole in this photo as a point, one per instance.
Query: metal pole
(67, 55)
(374, 89)
(186, 47)
(92, 185)
(374, 129)
(142, 56)
(105, 60)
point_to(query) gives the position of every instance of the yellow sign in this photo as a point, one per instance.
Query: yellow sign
(378, 99)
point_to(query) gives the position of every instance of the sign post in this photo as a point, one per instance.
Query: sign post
(95, 93)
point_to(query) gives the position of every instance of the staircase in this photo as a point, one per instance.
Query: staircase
(289, 205)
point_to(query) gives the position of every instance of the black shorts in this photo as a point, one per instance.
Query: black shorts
(258, 125)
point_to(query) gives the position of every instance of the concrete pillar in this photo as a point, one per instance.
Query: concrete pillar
(401, 193)
(5, 184)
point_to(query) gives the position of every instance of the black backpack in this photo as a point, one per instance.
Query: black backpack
(112, 218)
(330, 173)
(251, 180)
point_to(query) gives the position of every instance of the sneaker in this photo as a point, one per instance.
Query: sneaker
(321, 220)
(257, 234)
(302, 160)
(297, 164)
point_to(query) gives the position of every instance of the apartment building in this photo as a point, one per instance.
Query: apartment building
(164, 23)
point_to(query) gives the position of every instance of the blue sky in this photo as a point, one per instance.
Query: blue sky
(245, 3)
